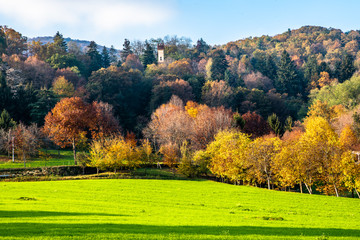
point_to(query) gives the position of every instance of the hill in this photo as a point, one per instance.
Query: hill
(81, 43)
(167, 209)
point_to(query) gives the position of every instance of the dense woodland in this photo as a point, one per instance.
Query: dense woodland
(275, 111)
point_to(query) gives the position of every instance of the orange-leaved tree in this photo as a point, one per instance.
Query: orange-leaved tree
(72, 119)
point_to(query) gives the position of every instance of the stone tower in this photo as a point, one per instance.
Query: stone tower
(160, 50)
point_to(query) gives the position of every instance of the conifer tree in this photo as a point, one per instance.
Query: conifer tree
(59, 43)
(112, 55)
(148, 56)
(5, 93)
(2, 42)
(275, 124)
(126, 50)
(95, 57)
(311, 70)
(270, 69)
(219, 65)
(201, 46)
(6, 122)
(288, 80)
(105, 57)
(347, 68)
(46, 100)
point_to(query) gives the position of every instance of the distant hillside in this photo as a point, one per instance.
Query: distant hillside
(81, 43)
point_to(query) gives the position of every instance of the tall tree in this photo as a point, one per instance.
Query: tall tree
(5, 93)
(148, 56)
(347, 68)
(201, 46)
(126, 50)
(95, 57)
(46, 100)
(113, 55)
(72, 119)
(105, 57)
(219, 65)
(59, 44)
(261, 155)
(288, 79)
(311, 70)
(2, 42)
(227, 155)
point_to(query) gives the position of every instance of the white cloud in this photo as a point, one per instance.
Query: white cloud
(101, 16)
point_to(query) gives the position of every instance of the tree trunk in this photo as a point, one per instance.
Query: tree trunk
(24, 159)
(74, 151)
(97, 171)
(268, 182)
(309, 189)
(357, 192)
(336, 191)
(301, 187)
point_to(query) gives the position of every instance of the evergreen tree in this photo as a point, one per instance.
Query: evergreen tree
(270, 68)
(105, 57)
(288, 79)
(219, 65)
(311, 70)
(2, 42)
(347, 68)
(265, 64)
(59, 44)
(148, 56)
(201, 46)
(126, 50)
(6, 122)
(46, 100)
(23, 99)
(275, 124)
(232, 79)
(95, 57)
(238, 121)
(288, 124)
(260, 44)
(5, 93)
(113, 55)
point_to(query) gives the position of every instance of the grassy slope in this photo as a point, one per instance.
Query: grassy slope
(65, 158)
(169, 209)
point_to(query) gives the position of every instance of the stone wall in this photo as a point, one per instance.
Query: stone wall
(45, 171)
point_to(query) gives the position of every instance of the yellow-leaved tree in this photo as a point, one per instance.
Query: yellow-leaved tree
(350, 172)
(114, 153)
(320, 149)
(227, 155)
(260, 157)
(288, 167)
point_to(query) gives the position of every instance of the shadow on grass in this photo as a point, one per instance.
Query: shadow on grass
(51, 229)
(19, 214)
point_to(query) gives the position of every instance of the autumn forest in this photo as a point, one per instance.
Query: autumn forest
(278, 112)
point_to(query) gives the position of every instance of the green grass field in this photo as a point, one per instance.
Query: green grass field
(169, 209)
(65, 158)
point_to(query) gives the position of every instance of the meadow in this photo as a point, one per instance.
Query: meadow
(55, 158)
(169, 209)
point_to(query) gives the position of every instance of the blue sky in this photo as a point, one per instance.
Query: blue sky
(108, 22)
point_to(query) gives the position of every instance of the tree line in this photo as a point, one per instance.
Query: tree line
(254, 86)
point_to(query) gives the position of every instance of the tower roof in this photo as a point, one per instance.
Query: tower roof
(161, 46)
